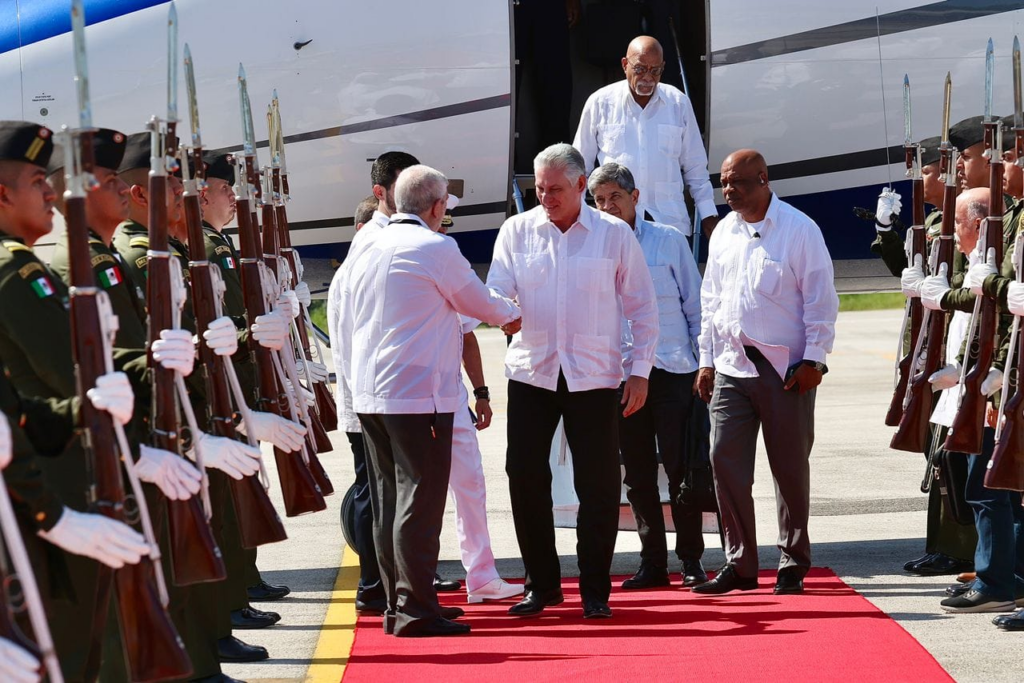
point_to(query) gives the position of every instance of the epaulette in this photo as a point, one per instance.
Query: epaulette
(14, 245)
(93, 240)
(140, 241)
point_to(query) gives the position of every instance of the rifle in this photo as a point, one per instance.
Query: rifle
(326, 408)
(968, 428)
(152, 647)
(912, 433)
(195, 557)
(1006, 468)
(20, 593)
(301, 492)
(915, 247)
(258, 521)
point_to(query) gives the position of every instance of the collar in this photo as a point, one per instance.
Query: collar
(627, 95)
(588, 217)
(771, 216)
(406, 218)
(130, 227)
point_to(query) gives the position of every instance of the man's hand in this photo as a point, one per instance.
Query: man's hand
(946, 377)
(704, 384)
(572, 12)
(512, 327)
(888, 207)
(991, 416)
(934, 288)
(708, 225)
(1015, 298)
(912, 278)
(17, 665)
(634, 395)
(483, 414)
(804, 378)
(979, 272)
(106, 540)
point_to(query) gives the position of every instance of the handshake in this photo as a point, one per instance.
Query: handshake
(513, 327)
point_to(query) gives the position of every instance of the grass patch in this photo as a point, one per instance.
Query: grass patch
(318, 313)
(875, 301)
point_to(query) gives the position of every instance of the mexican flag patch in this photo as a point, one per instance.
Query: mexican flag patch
(229, 263)
(42, 287)
(110, 277)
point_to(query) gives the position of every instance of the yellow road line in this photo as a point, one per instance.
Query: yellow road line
(339, 628)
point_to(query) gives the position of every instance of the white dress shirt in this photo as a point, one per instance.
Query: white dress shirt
(404, 292)
(959, 326)
(775, 292)
(339, 327)
(574, 289)
(660, 144)
(677, 286)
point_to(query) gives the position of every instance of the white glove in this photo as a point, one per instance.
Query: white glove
(307, 395)
(912, 278)
(173, 475)
(317, 371)
(174, 350)
(992, 383)
(271, 330)
(288, 304)
(977, 273)
(1015, 298)
(231, 457)
(934, 288)
(284, 434)
(302, 292)
(17, 665)
(109, 541)
(222, 336)
(113, 393)
(888, 204)
(6, 450)
(945, 378)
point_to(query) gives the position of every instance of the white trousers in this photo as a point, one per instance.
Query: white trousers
(469, 495)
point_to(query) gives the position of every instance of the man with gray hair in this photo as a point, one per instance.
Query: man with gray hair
(404, 293)
(577, 274)
(661, 426)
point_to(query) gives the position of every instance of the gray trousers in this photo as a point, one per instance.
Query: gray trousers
(740, 407)
(411, 458)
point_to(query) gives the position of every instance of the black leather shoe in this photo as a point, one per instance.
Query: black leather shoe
(693, 573)
(231, 649)
(958, 589)
(452, 613)
(913, 563)
(249, 618)
(596, 609)
(438, 627)
(725, 581)
(940, 565)
(371, 607)
(445, 586)
(790, 581)
(1010, 622)
(534, 603)
(265, 592)
(216, 678)
(647, 577)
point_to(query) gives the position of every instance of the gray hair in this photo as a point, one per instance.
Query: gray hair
(564, 156)
(418, 187)
(611, 173)
(976, 209)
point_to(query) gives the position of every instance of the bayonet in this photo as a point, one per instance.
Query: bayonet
(908, 137)
(946, 98)
(990, 70)
(248, 145)
(81, 65)
(172, 64)
(1018, 115)
(193, 102)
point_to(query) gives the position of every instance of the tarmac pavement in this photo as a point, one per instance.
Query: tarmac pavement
(868, 518)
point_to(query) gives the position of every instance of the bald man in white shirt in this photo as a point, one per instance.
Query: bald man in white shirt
(768, 312)
(649, 127)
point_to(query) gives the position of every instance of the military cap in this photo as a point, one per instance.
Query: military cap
(137, 152)
(25, 141)
(930, 150)
(107, 149)
(967, 133)
(218, 166)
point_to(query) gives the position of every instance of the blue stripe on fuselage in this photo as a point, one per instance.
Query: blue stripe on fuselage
(42, 19)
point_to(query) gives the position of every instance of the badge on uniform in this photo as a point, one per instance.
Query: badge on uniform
(42, 287)
(110, 277)
(229, 263)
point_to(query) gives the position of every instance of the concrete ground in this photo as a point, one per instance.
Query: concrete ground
(868, 518)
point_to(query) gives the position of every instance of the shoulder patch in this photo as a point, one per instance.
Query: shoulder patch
(141, 262)
(102, 258)
(42, 287)
(30, 268)
(222, 249)
(140, 241)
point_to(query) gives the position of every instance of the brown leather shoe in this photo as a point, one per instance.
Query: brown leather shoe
(966, 577)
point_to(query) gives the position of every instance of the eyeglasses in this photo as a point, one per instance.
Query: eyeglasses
(641, 70)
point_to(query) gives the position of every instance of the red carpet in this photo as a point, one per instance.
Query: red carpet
(830, 633)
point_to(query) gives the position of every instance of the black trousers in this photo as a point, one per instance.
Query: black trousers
(591, 429)
(410, 457)
(660, 426)
(370, 587)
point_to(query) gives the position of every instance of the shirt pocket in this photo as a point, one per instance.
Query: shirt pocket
(595, 274)
(611, 138)
(531, 270)
(527, 349)
(670, 139)
(664, 282)
(768, 277)
(592, 354)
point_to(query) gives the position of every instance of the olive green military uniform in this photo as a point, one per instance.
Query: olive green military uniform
(132, 242)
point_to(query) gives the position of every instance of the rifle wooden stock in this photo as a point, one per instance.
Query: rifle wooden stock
(916, 316)
(258, 521)
(1006, 468)
(195, 557)
(152, 647)
(300, 490)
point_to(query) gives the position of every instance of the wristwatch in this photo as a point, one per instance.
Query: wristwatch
(482, 393)
(817, 365)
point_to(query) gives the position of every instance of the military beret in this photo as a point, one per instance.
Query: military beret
(967, 133)
(25, 141)
(137, 152)
(930, 150)
(218, 166)
(107, 148)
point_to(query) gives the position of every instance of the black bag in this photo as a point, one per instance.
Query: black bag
(697, 490)
(951, 476)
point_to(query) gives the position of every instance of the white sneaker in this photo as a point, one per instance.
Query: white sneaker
(498, 589)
